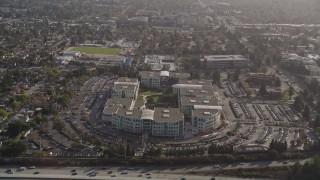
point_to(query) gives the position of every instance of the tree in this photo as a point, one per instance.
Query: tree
(3, 113)
(277, 82)
(58, 124)
(237, 74)
(318, 106)
(15, 105)
(298, 104)
(310, 170)
(291, 91)
(263, 90)
(306, 113)
(317, 122)
(22, 98)
(278, 146)
(14, 149)
(16, 128)
(305, 93)
(216, 77)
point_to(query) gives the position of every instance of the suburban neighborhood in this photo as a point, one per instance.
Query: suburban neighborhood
(231, 87)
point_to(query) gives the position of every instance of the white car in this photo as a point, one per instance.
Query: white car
(114, 175)
(216, 166)
(22, 168)
(32, 167)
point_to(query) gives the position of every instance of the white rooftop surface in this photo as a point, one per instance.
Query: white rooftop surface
(224, 57)
(207, 107)
(164, 73)
(190, 86)
(147, 114)
(125, 83)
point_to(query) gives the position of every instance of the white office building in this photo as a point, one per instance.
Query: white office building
(157, 79)
(205, 120)
(187, 104)
(163, 122)
(224, 61)
(125, 88)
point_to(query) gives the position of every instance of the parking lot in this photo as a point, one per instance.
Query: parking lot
(256, 122)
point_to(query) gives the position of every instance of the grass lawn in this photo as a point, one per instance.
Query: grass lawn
(97, 50)
(144, 93)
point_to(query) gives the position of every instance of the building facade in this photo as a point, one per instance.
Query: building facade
(125, 88)
(158, 79)
(224, 61)
(205, 120)
(161, 122)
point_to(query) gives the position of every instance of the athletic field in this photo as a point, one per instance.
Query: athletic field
(96, 50)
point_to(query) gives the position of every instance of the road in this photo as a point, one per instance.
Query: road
(162, 173)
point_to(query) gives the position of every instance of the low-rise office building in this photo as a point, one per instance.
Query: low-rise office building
(205, 120)
(160, 62)
(125, 88)
(165, 122)
(168, 122)
(198, 93)
(112, 61)
(195, 84)
(113, 104)
(224, 61)
(158, 79)
(187, 104)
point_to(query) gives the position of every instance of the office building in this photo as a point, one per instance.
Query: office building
(224, 61)
(205, 120)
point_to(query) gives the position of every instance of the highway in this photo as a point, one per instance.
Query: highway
(161, 173)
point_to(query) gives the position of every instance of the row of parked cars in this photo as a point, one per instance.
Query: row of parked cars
(10, 171)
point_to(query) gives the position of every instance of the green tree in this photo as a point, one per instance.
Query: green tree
(298, 104)
(291, 91)
(15, 105)
(278, 146)
(14, 149)
(236, 74)
(263, 90)
(306, 113)
(22, 98)
(318, 106)
(277, 82)
(15, 128)
(316, 123)
(3, 113)
(216, 77)
(57, 123)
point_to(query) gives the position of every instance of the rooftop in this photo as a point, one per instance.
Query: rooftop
(196, 92)
(129, 113)
(204, 112)
(168, 114)
(120, 103)
(198, 101)
(124, 87)
(147, 114)
(206, 84)
(164, 74)
(187, 86)
(127, 80)
(138, 18)
(224, 58)
(150, 73)
(110, 110)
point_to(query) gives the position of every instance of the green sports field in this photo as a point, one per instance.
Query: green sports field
(97, 50)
